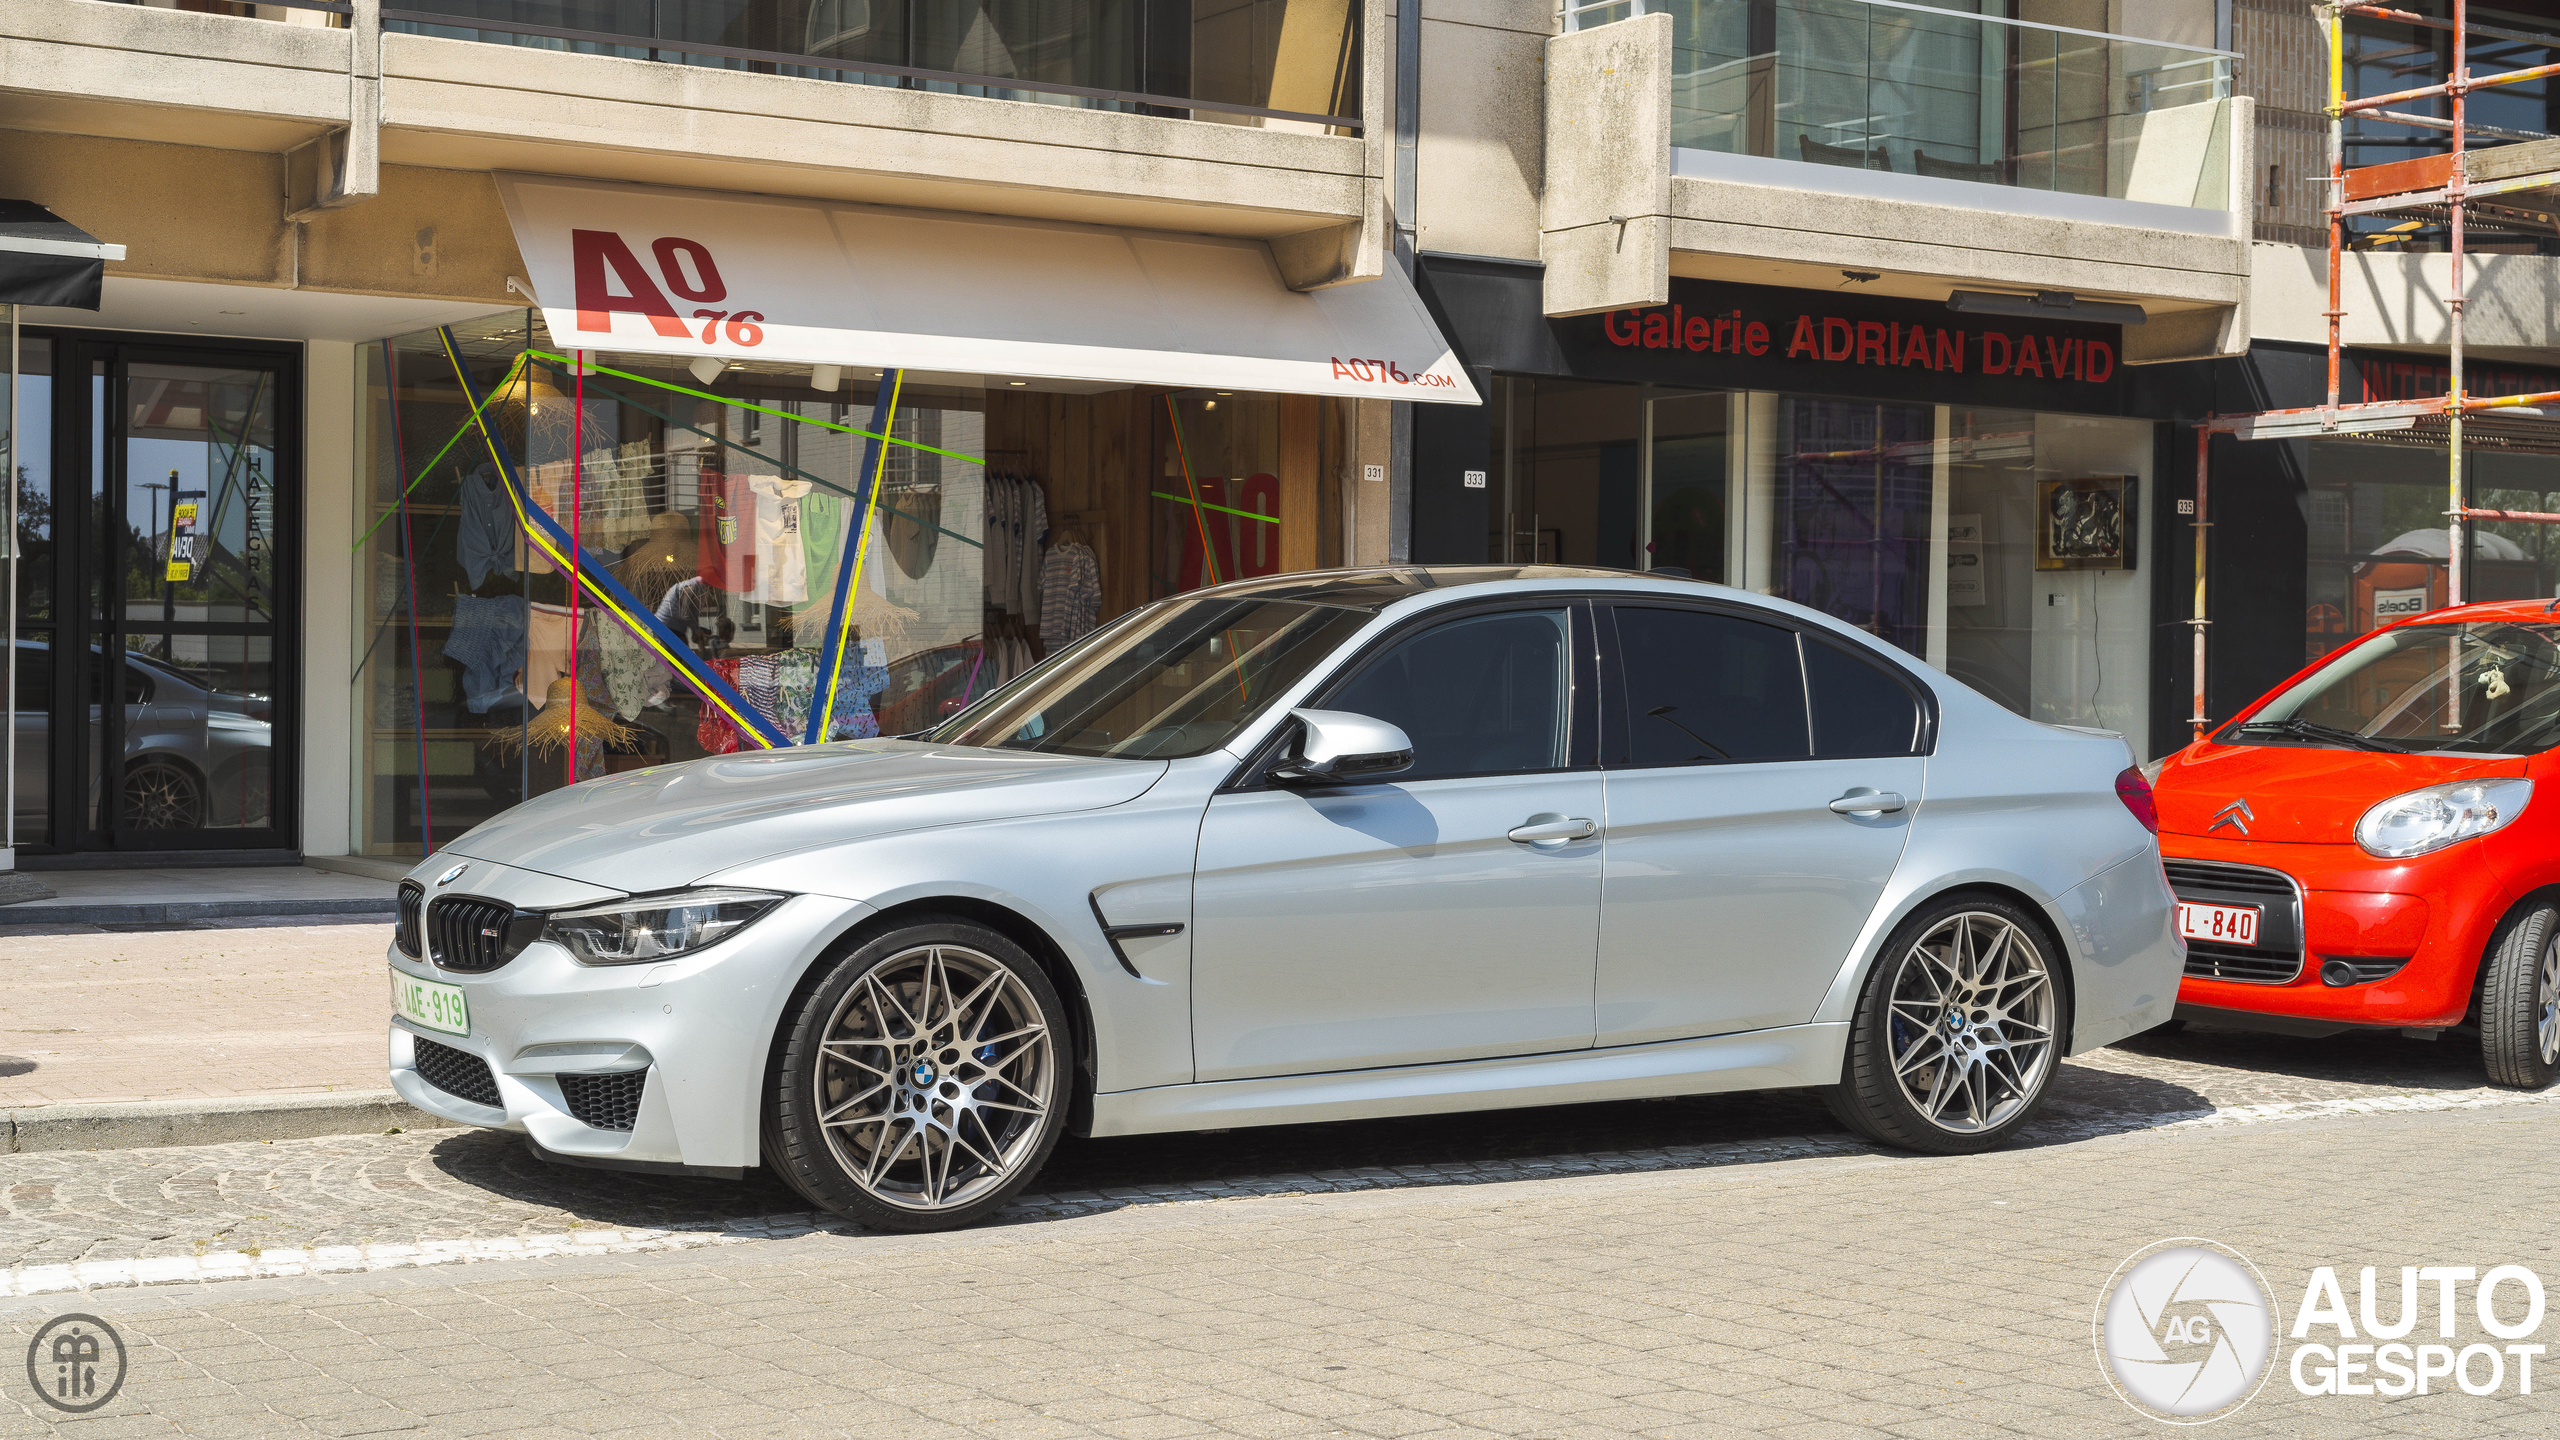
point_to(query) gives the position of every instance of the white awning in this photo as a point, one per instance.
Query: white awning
(695, 273)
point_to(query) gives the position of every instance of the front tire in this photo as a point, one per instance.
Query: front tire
(921, 1083)
(2520, 999)
(1957, 1033)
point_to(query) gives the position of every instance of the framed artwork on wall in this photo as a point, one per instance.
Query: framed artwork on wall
(2087, 524)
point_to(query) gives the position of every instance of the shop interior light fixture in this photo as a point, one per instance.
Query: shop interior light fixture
(825, 377)
(2047, 305)
(707, 369)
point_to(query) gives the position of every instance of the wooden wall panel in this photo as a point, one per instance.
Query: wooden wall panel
(1301, 512)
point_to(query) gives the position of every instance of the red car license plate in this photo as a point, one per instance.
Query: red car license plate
(2229, 924)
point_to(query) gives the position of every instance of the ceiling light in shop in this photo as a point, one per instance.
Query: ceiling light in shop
(825, 377)
(1017, 382)
(707, 369)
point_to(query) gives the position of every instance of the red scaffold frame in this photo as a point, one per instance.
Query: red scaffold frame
(2427, 183)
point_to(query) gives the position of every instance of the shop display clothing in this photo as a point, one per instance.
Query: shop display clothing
(547, 648)
(1017, 523)
(1070, 594)
(714, 732)
(487, 542)
(726, 547)
(633, 677)
(487, 641)
(780, 567)
(823, 516)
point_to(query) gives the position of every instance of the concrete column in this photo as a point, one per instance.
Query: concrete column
(331, 393)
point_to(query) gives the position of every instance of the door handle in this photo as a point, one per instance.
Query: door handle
(1552, 830)
(1863, 801)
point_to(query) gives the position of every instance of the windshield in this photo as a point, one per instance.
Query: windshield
(1177, 680)
(2489, 688)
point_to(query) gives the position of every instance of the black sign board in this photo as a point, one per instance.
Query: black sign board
(1727, 337)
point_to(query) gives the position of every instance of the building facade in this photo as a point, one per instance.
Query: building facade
(495, 395)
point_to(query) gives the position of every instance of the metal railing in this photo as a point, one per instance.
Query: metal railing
(1297, 58)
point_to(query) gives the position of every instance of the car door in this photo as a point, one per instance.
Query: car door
(1758, 801)
(1398, 922)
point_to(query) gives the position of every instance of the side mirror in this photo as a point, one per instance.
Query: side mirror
(1339, 746)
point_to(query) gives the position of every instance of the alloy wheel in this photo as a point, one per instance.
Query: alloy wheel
(1971, 1018)
(160, 796)
(935, 1078)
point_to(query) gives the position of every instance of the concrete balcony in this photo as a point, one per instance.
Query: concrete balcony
(1731, 140)
(134, 111)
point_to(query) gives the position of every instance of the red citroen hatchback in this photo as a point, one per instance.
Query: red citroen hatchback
(2364, 847)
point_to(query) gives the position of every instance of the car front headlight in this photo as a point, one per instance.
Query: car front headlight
(655, 927)
(2440, 815)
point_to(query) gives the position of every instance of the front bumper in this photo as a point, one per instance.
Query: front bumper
(701, 1028)
(2433, 913)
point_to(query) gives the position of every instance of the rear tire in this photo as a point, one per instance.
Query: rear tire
(922, 1082)
(1958, 1031)
(2520, 998)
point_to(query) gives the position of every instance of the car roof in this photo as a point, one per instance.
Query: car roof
(1377, 587)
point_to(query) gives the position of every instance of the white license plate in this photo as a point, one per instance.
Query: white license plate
(2228, 924)
(436, 1006)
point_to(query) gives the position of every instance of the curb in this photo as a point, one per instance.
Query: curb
(173, 911)
(147, 1124)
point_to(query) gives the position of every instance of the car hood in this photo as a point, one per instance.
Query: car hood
(671, 825)
(2299, 794)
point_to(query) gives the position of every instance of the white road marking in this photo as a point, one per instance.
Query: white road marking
(354, 1259)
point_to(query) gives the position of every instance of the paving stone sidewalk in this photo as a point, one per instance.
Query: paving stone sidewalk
(480, 1194)
(170, 1014)
(1851, 1295)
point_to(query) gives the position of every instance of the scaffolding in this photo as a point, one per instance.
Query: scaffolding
(2512, 185)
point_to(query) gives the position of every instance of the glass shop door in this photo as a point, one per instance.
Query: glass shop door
(175, 667)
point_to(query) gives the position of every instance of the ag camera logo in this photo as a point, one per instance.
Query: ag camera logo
(2185, 1329)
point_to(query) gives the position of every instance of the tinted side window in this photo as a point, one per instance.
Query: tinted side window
(1487, 695)
(1705, 687)
(1858, 709)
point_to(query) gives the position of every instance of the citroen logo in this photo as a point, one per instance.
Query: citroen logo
(2236, 815)
(450, 876)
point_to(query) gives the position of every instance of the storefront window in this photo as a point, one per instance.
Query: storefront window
(2378, 539)
(1217, 499)
(722, 520)
(2002, 546)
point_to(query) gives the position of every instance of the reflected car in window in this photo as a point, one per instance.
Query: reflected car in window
(195, 756)
(2363, 846)
(1328, 846)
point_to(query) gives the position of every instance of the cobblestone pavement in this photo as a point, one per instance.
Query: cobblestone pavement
(1835, 1294)
(247, 1209)
(101, 1015)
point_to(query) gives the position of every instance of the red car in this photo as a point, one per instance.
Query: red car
(2364, 847)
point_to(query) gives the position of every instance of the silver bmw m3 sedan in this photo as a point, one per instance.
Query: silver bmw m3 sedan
(1325, 846)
